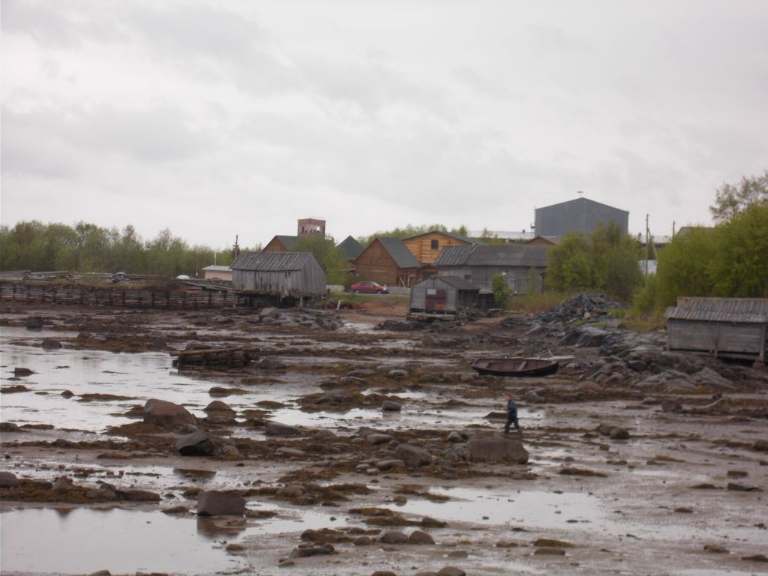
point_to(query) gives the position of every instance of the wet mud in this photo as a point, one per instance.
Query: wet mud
(342, 449)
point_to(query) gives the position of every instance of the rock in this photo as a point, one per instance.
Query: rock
(711, 379)
(217, 503)
(376, 439)
(615, 432)
(19, 371)
(451, 571)
(393, 537)
(132, 495)
(219, 413)
(496, 447)
(551, 543)
(234, 547)
(715, 549)
(419, 537)
(101, 573)
(34, 323)
(573, 471)
(167, 415)
(671, 406)
(50, 344)
(760, 446)
(282, 430)
(413, 456)
(383, 573)
(585, 337)
(9, 427)
(363, 541)
(391, 406)
(67, 394)
(755, 558)
(8, 480)
(305, 550)
(733, 486)
(397, 374)
(456, 437)
(391, 464)
(737, 474)
(291, 452)
(198, 443)
(683, 510)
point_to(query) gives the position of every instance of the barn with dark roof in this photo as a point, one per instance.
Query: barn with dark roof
(388, 261)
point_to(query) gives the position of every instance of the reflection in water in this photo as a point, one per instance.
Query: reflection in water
(218, 527)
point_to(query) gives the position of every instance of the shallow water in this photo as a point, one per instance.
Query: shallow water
(84, 540)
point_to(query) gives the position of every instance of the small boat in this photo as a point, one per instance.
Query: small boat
(516, 366)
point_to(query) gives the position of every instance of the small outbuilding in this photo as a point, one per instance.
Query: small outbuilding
(727, 327)
(446, 296)
(281, 275)
(388, 261)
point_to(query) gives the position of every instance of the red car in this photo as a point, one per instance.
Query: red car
(367, 287)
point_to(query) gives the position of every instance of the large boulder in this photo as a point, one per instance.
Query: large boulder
(413, 456)
(198, 443)
(217, 503)
(167, 415)
(497, 447)
(219, 412)
(8, 480)
(277, 429)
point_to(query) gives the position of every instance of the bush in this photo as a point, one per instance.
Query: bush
(500, 290)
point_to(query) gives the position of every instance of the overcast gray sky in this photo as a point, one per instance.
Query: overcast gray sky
(217, 118)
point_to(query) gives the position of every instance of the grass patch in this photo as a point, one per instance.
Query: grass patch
(644, 322)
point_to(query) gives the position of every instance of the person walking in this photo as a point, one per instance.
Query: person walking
(511, 416)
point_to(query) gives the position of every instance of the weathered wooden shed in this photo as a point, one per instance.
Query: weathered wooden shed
(278, 274)
(447, 296)
(728, 327)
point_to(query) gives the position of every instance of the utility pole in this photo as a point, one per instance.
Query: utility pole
(647, 242)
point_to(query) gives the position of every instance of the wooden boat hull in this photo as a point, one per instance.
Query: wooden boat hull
(516, 367)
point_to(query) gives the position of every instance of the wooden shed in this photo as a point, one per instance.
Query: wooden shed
(278, 274)
(389, 262)
(447, 296)
(728, 327)
(281, 243)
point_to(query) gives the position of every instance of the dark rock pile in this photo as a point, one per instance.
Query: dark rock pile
(580, 307)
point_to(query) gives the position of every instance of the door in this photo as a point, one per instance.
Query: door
(435, 301)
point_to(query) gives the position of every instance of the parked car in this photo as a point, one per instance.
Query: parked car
(119, 277)
(367, 287)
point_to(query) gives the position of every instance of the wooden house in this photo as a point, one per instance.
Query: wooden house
(446, 296)
(282, 275)
(389, 262)
(281, 243)
(426, 247)
(522, 265)
(729, 327)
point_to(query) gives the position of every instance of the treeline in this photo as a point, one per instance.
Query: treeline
(410, 230)
(606, 260)
(89, 248)
(729, 260)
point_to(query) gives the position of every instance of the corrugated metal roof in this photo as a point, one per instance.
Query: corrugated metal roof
(350, 248)
(399, 252)
(512, 255)
(272, 261)
(747, 310)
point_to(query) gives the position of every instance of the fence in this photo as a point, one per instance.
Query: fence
(119, 297)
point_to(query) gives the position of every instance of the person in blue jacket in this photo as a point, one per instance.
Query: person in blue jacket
(511, 416)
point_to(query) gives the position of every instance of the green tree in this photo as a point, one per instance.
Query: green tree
(327, 255)
(732, 199)
(685, 266)
(569, 264)
(740, 267)
(500, 290)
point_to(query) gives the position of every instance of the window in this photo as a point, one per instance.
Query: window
(435, 244)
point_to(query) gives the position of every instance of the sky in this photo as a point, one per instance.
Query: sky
(239, 117)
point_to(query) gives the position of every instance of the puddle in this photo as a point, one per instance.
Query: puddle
(85, 540)
(531, 509)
